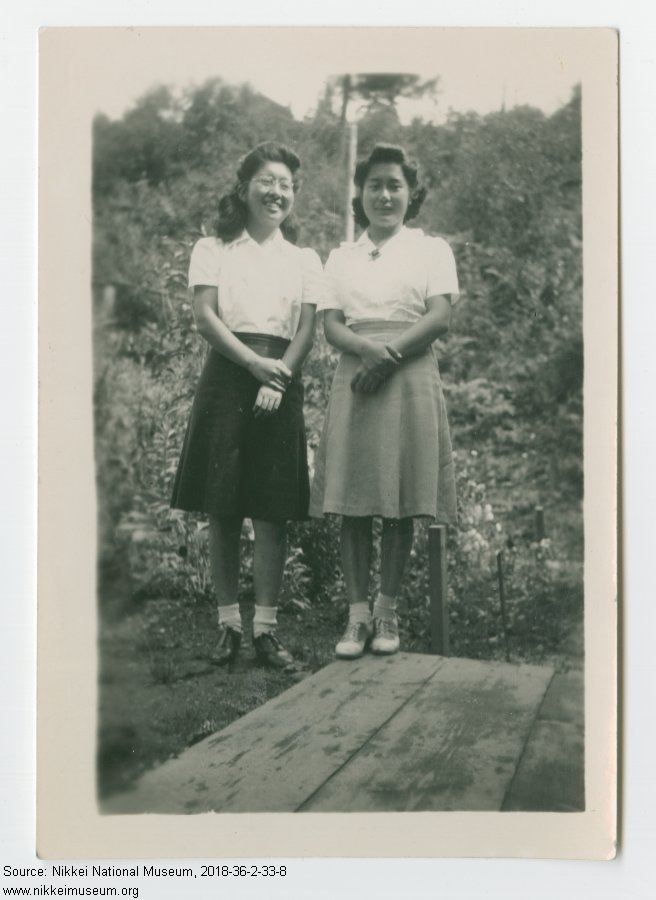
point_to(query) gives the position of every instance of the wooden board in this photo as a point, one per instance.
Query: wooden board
(455, 745)
(277, 756)
(550, 777)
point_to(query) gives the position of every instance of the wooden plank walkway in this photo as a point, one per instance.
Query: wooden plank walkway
(406, 732)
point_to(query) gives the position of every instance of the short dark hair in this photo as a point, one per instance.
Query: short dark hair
(388, 153)
(233, 211)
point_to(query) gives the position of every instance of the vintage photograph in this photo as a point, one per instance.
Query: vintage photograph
(337, 361)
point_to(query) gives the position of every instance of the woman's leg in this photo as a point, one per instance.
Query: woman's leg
(269, 558)
(355, 547)
(396, 544)
(225, 534)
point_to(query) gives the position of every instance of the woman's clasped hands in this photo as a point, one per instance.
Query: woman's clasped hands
(275, 377)
(378, 361)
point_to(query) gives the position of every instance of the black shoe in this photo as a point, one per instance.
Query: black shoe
(227, 647)
(270, 652)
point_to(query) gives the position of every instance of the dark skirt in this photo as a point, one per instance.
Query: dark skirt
(233, 464)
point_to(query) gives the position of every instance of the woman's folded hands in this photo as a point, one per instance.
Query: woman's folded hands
(378, 361)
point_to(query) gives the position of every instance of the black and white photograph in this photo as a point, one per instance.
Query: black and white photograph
(347, 505)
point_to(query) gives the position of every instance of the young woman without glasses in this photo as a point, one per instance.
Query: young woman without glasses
(385, 449)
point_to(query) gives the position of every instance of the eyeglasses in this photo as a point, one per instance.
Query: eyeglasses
(270, 181)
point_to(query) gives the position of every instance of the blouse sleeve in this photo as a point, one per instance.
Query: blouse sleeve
(442, 274)
(312, 277)
(331, 295)
(205, 263)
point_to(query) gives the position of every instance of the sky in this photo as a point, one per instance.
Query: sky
(476, 72)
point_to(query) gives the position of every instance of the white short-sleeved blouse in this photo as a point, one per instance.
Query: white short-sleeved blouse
(391, 283)
(261, 286)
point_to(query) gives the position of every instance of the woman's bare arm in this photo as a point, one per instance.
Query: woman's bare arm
(421, 334)
(273, 372)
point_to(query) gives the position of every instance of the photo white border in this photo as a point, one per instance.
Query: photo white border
(68, 822)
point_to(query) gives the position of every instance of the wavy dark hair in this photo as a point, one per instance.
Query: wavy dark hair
(233, 212)
(388, 153)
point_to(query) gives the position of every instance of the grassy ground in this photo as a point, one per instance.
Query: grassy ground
(159, 693)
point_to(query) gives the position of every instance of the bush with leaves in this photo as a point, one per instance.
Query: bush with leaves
(543, 595)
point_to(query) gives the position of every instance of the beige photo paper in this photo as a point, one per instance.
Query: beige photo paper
(480, 743)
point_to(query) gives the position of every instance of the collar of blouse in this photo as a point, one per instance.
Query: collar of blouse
(245, 238)
(365, 244)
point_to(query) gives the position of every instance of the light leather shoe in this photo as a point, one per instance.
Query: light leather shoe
(386, 636)
(354, 640)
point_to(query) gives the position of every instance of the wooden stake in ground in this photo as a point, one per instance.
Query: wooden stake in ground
(437, 576)
(502, 602)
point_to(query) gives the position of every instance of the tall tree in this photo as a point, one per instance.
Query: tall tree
(381, 89)
(144, 145)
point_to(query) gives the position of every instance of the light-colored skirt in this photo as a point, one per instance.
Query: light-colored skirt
(387, 453)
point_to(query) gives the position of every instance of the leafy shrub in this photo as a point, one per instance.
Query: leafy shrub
(542, 595)
(479, 407)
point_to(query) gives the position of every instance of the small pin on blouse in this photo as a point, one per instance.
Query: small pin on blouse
(374, 254)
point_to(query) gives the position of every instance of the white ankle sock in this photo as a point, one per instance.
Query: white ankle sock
(230, 616)
(359, 612)
(265, 619)
(385, 607)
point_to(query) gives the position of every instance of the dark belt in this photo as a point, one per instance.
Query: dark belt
(269, 345)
